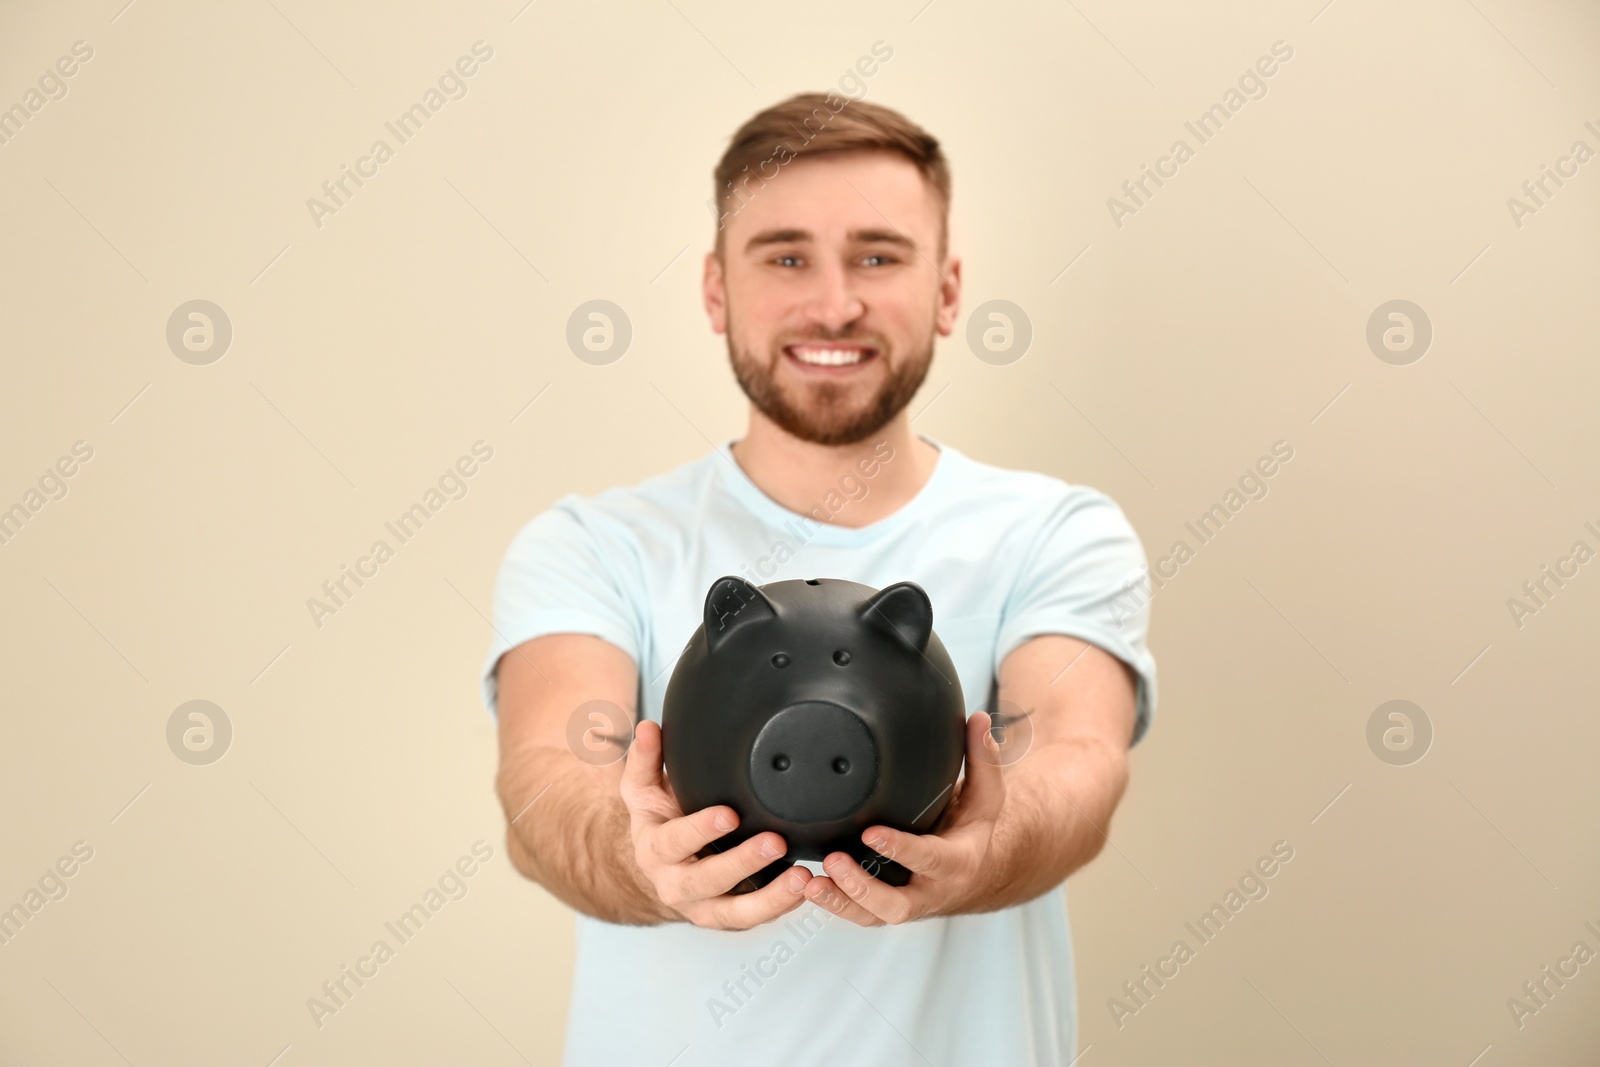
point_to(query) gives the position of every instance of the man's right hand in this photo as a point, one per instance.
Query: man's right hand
(665, 842)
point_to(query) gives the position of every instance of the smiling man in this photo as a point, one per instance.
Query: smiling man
(831, 277)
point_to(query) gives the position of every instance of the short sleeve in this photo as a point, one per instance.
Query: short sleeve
(558, 576)
(1086, 576)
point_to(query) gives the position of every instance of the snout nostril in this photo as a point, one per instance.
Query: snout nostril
(841, 657)
(841, 765)
(812, 581)
(780, 762)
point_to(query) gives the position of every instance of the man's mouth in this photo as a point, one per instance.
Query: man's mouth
(829, 358)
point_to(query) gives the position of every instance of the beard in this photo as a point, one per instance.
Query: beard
(822, 412)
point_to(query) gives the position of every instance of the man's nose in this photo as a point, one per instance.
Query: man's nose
(834, 303)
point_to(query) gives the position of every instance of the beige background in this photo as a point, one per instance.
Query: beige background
(370, 353)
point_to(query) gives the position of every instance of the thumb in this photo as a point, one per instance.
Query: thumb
(642, 769)
(985, 789)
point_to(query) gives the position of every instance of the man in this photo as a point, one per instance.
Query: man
(830, 277)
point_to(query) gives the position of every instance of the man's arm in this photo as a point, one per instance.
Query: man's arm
(566, 825)
(611, 841)
(1061, 793)
(1016, 829)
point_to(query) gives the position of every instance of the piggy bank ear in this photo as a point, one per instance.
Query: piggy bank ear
(732, 603)
(904, 609)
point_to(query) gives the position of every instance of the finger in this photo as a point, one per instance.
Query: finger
(891, 904)
(718, 874)
(925, 854)
(825, 894)
(677, 839)
(777, 898)
(985, 788)
(640, 786)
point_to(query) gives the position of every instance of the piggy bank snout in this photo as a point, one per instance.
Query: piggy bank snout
(813, 762)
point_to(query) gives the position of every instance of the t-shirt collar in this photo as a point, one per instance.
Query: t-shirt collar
(736, 481)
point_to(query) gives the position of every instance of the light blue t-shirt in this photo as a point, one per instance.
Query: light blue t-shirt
(1004, 555)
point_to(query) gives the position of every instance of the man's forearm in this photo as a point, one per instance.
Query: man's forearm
(1058, 805)
(567, 829)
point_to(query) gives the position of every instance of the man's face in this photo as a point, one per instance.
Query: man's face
(829, 293)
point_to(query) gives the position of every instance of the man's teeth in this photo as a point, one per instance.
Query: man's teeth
(828, 357)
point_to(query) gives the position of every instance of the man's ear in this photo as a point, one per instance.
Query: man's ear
(949, 297)
(714, 293)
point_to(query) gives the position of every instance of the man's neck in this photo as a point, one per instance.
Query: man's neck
(813, 479)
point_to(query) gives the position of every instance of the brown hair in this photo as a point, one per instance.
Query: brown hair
(810, 124)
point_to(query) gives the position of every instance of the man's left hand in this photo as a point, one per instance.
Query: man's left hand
(949, 869)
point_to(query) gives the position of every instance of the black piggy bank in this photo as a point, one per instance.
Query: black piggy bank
(815, 709)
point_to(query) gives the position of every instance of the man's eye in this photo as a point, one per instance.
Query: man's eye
(784, 261)
(882, 257)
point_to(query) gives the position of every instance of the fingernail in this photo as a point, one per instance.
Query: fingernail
(724, 821)
(797, 881)
(769, 850)
(876, 842)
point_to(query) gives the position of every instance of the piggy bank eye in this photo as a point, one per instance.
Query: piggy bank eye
(780, 660)
(841, 657)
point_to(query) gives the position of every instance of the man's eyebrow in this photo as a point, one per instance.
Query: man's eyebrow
(893, 237)
(791, 235)
(788, 235)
